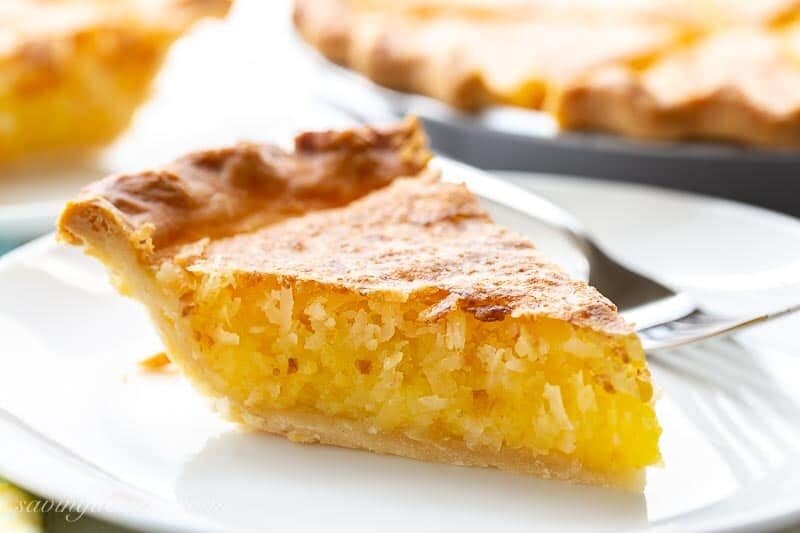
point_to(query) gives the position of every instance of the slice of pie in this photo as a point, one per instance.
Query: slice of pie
(343, 294)
(656, 69)
(72, 72)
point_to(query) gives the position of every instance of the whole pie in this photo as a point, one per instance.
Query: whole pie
(342, 294)
(72, 72)
(655, 69)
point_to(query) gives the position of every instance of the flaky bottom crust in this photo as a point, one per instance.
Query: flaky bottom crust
(314, 428)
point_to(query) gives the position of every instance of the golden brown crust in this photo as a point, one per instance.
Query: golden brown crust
(40, 18)
(43, 35)
(222, 192)
(649, 69)
(390, 55)
(409, 49)
(264, 212)
(741, 85)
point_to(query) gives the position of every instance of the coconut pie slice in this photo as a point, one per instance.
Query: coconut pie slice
(342, 294)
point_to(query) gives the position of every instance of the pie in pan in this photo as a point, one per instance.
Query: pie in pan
(725, 70)
(72, 72)
(342, 294)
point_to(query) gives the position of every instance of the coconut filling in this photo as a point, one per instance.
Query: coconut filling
(531, 384)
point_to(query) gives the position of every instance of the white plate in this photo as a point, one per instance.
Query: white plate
(81, 423)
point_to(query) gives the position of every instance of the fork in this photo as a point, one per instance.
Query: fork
(664, 318)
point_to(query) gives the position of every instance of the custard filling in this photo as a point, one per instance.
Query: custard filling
(534, 384)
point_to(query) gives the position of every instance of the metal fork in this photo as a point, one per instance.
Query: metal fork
(664, 318)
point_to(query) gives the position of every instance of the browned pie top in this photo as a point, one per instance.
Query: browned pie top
(37, 22)
(43, 41)
(417, 235)
(682, 12)
(329, 213)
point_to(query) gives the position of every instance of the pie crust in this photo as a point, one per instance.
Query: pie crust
(725, 70)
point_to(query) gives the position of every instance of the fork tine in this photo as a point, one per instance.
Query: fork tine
(700, 326)
(783, 312)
